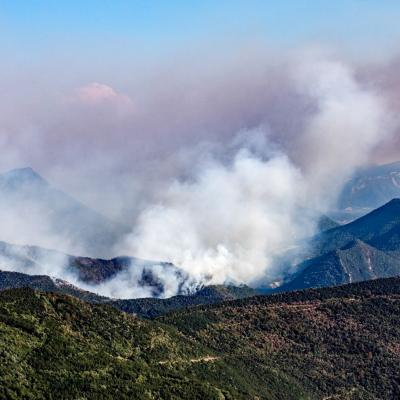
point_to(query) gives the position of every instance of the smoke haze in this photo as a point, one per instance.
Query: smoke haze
(231, 219)
(217, 171)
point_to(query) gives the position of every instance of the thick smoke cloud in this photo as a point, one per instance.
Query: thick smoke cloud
(350, 122)
(219, 171)
(227, 222)
(232, 219)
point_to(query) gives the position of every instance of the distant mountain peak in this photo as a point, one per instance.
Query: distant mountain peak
(389, 211)
(395, 201)
(68, 225)
(370, 188)
(22, 175)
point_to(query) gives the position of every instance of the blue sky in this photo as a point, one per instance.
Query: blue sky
(45, 27)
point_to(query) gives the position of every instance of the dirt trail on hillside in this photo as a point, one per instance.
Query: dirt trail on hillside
(193, 360)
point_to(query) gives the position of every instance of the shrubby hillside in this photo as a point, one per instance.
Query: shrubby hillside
(331, 343)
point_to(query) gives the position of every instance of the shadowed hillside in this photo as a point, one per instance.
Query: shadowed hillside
(144, 307)
(151, 308)
(367, 248)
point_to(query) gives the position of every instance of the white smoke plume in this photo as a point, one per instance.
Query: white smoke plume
(137, 278)
(128, 283)
(228, 222)
(349, 123)
(231, 219)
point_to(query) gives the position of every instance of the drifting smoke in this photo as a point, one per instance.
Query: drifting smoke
(167, 281)
(349, 123)
(222, 205)
(136, 278)
(228, 223)
(231, 220)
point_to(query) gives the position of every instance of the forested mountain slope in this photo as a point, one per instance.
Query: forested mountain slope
(338, 343)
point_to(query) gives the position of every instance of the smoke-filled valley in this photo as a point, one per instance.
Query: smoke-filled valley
(219, 211)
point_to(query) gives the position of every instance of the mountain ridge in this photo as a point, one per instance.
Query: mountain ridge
(26, 199)
(149, 307)
(366, 248)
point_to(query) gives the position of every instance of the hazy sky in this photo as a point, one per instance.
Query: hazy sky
(96, 89)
